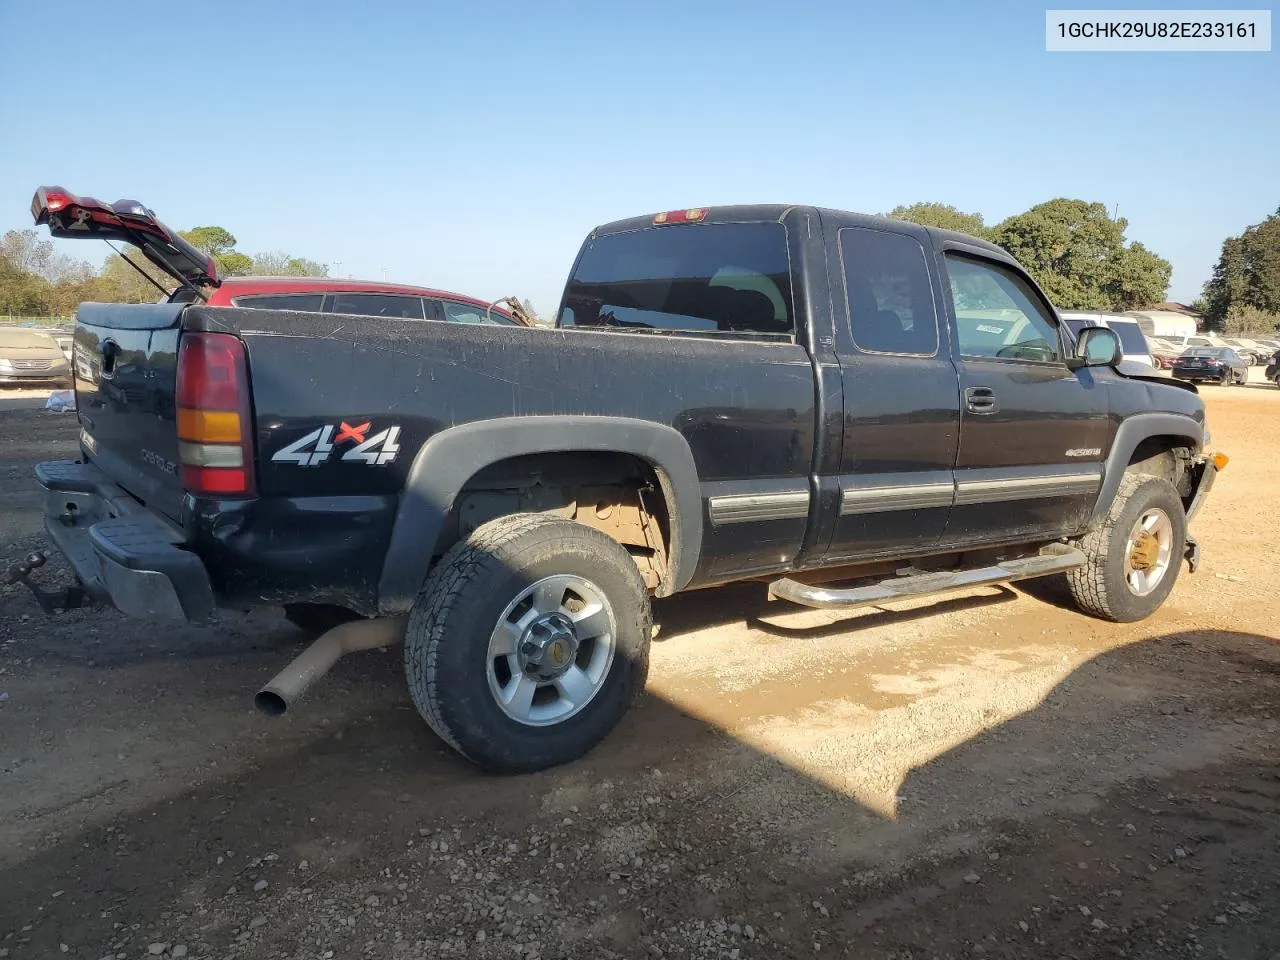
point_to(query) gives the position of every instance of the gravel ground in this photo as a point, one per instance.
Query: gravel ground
(991, 775)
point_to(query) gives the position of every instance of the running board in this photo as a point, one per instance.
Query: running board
(1053, 560)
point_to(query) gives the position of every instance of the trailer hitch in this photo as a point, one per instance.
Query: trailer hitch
(50, 601)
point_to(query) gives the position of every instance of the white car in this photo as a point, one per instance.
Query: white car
(1133, 342)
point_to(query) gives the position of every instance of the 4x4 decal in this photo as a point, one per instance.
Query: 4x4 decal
(318, 446)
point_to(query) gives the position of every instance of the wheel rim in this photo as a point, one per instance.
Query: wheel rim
(1149, 552)
(551, 650)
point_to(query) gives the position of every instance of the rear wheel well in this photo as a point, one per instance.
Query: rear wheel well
(618, 494)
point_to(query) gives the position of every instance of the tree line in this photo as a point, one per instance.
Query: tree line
(1074, 249)
(1243, 295)
(1078, 254)
(37, 281)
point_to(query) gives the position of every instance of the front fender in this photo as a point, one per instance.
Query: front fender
(1131, 432)
(451, 457)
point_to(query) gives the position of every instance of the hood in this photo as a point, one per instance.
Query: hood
(1132, 370)
(68, 215)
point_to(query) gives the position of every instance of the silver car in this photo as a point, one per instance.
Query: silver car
(31, 357)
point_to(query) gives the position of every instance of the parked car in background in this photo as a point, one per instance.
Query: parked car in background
(1198, 340)
(1272, 372)
(1249, 350)
(1270, 345)
(1163, 352)
(1132, 340)
(1220, 365)
(361, 297)
(29, 356)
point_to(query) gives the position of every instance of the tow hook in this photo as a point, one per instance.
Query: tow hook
(50, 601)
(1192, 554)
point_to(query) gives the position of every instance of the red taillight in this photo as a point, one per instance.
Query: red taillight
(692, 215)
(214, 425)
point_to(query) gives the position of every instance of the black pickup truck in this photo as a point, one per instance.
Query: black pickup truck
(847, 409)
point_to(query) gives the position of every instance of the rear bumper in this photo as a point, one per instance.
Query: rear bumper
(122, 553)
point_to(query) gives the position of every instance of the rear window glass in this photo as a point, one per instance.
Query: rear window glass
(306, 302)
(1205, 352)
(731, 278)
(378, 305)
(1130, 335)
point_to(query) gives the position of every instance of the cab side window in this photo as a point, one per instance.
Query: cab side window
(887, 290)
(998, 315)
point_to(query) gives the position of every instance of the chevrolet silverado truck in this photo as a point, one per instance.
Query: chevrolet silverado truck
(849, 410)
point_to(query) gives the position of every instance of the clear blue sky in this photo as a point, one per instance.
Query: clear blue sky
(472, 145)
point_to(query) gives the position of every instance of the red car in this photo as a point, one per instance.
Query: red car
(197, 274)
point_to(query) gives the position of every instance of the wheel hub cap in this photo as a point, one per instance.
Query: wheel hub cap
(548, 647)
(1145, 553)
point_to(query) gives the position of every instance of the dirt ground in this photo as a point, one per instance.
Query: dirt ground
(992, 775)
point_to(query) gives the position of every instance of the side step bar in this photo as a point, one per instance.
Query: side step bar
(1052, 560)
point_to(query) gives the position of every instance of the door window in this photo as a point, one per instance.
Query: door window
(306, 302)
(998, 315)
(396, 306)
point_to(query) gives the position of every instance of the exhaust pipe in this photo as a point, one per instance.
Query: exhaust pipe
(288, 686)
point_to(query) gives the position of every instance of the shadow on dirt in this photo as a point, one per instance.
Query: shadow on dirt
(358, 797)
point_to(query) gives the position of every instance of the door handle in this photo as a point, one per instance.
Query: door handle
(980, 400)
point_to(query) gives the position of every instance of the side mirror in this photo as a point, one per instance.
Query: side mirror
(1096, 347)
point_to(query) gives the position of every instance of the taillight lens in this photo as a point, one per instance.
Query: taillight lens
(215, 445)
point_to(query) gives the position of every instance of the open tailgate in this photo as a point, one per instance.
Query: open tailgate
(128, 221)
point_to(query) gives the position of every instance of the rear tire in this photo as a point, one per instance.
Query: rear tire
(570, 612)
(1128, 576)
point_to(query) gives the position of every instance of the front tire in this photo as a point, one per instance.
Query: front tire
(1135, 554)
(528, 642)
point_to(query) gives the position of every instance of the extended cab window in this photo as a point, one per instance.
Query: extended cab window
(886, 283)
(732, 278)
(998, 315)
(306, 302)
(378, 305)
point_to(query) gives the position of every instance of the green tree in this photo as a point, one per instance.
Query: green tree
(279, 264)
(214, 241)
(220, 244)
(1245, 286)
(941, 215)
(1077, 253)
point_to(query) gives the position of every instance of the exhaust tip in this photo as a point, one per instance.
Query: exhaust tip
(270, 703)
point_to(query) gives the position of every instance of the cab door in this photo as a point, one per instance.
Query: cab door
(901, 396)
(1032, 431)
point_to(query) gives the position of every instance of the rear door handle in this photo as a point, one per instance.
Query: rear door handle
(980, 400)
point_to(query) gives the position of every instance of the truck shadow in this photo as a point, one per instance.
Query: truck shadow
(369, 795)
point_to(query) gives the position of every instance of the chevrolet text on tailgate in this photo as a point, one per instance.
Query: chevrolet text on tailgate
(848, 410)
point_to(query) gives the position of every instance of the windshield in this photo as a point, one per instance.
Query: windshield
(720, 277)
(1131, 337)
(26, 340)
